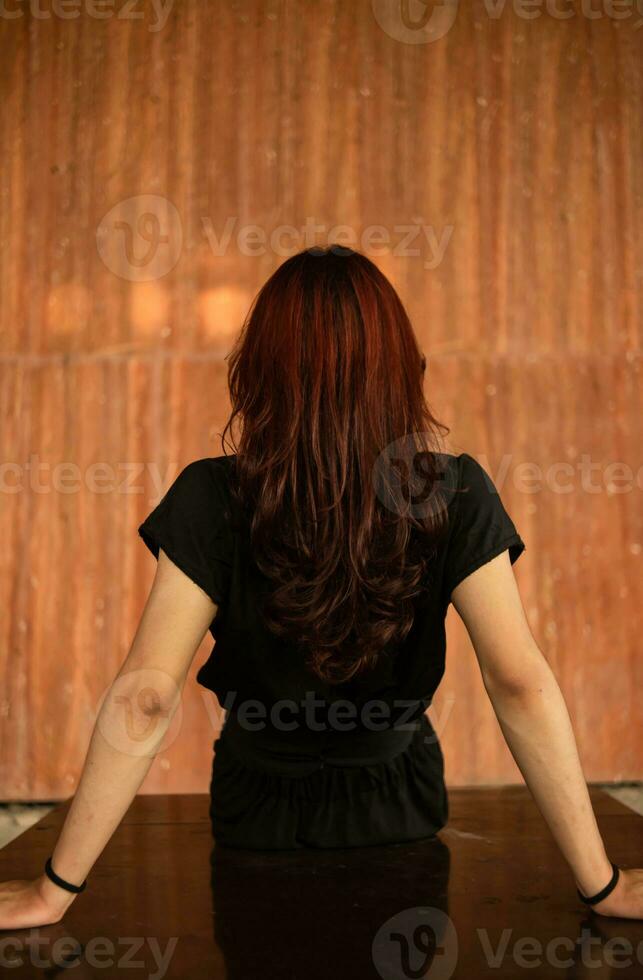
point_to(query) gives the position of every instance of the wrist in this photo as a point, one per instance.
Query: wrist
(53, 895)
(592, 879)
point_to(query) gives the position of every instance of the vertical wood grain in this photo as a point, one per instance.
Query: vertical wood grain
(523, 137)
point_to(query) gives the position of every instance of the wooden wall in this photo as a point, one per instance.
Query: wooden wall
(511, 143)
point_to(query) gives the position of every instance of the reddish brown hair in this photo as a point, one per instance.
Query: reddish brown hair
(326, 376)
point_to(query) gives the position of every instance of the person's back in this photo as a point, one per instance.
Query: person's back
(330, 543)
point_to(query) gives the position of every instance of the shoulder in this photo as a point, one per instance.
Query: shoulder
(463, 479)
(210, 467)
(192, 525)
(472, 476)
(454, 463)
(459, 473)
(196, 502)
(207, 486)
(199, 492)
(473, 501)
(206, 474)
(480, 527)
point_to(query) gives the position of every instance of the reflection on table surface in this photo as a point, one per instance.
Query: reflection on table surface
(488, 897)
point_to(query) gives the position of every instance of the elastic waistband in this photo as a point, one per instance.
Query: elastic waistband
(304, 751)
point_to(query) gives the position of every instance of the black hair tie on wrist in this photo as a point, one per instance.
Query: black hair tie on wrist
(61, 881)
(604, 892)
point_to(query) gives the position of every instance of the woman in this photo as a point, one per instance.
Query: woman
(323, 556)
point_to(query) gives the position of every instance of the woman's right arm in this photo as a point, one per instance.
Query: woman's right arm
(129, 731)
(533, 716)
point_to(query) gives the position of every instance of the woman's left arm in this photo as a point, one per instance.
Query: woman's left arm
(533, 716)
(131, 724)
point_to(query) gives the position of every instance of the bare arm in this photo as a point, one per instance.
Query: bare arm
(533, 716)
(134, 717)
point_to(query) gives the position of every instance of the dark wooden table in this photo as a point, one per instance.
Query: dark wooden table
(489, 898)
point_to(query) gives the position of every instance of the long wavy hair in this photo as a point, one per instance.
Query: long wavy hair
(336, 465)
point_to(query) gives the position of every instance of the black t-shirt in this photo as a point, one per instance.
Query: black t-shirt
(199, 527)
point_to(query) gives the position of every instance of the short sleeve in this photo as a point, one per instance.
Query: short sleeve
(191, 525)
(481, 528)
